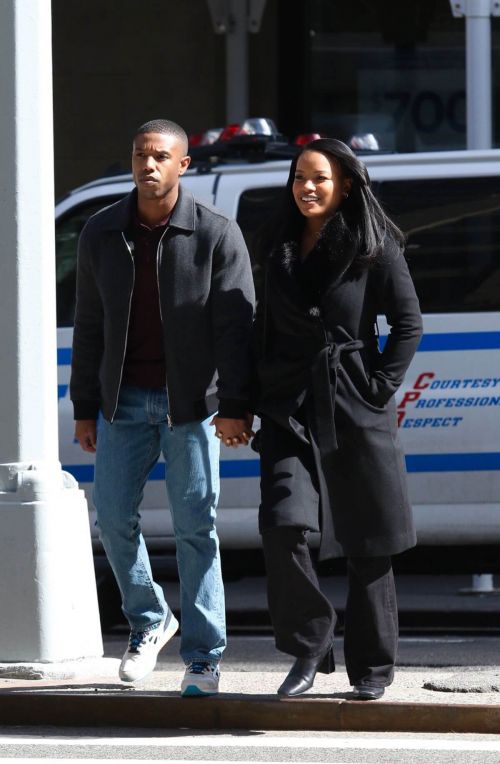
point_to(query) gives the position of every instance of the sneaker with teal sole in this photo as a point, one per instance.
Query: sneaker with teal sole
(201, 678)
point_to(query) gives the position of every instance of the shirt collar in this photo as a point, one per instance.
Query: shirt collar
(138, 223)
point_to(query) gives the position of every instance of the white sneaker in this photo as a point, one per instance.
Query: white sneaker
(201, 678)
(141, 654)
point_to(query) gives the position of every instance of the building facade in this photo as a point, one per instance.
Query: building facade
(383, 67)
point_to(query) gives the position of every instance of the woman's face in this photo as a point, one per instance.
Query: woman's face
(319, 186)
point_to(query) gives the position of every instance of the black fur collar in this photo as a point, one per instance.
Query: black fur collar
(326, 264)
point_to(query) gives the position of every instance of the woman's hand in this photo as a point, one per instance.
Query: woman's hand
(233, 432)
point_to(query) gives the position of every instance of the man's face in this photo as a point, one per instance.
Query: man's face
(158, 161)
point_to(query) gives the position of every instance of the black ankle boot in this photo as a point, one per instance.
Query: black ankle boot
(303, 672)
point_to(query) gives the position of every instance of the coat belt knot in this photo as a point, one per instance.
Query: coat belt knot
(324, 373)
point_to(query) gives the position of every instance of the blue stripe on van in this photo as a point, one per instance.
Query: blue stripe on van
(238, 468)
(453, 462)
(64, 356)
(229, 468)
(84, 473)
(234, 468)
(456, 341)
(61, 391)
(429, 343)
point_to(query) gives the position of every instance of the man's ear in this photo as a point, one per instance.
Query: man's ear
(184, 164)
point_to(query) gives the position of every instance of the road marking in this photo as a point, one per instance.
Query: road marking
(262, 741)
(439, 640)
(157, 761)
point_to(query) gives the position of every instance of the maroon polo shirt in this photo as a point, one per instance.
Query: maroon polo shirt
(144, 364)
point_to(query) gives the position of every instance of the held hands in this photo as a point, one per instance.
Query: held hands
(234, 432)
(86, 434)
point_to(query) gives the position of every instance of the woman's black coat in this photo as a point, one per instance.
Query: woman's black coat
(324, 380)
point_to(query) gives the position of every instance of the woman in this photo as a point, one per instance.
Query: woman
(331, 460)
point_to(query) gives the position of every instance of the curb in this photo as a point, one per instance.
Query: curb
(242, 712)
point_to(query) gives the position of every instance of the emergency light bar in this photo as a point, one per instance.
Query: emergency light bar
(255, 140)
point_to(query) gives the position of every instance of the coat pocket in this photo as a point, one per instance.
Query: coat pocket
(355, 408)
(357, 382)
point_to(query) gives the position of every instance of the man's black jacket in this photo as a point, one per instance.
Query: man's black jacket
(206, 301)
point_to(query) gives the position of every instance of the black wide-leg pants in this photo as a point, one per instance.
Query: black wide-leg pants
(304, 620)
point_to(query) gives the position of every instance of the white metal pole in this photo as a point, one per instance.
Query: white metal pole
(48, 600)
(478, 77)
(479, 114)
(237, 62)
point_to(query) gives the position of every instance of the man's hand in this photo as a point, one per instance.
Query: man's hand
(86, 434)
(234, 432)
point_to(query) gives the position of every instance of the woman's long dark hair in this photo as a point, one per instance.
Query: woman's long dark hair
(368, 223)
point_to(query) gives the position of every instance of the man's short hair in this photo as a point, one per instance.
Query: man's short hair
(165, 126)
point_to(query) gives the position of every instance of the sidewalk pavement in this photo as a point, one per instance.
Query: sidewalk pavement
(422, 698)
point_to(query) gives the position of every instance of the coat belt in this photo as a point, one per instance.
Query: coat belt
(324, 374)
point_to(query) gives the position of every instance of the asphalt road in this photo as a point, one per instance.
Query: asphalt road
(257, 652)
(175, 746)
(426, 602)
(470, 651)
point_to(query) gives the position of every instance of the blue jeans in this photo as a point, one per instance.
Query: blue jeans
(127, 450)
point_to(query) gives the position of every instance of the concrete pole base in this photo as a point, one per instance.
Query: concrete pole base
(85, 669)
(48, 596)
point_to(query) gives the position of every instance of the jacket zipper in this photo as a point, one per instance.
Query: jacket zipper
(170, 421)
(128, 323)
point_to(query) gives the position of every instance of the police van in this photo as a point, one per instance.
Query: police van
(448, 205)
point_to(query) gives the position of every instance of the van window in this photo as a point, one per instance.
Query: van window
(453, 240)
(68, 229)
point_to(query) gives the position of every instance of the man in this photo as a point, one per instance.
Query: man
(164, 310)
